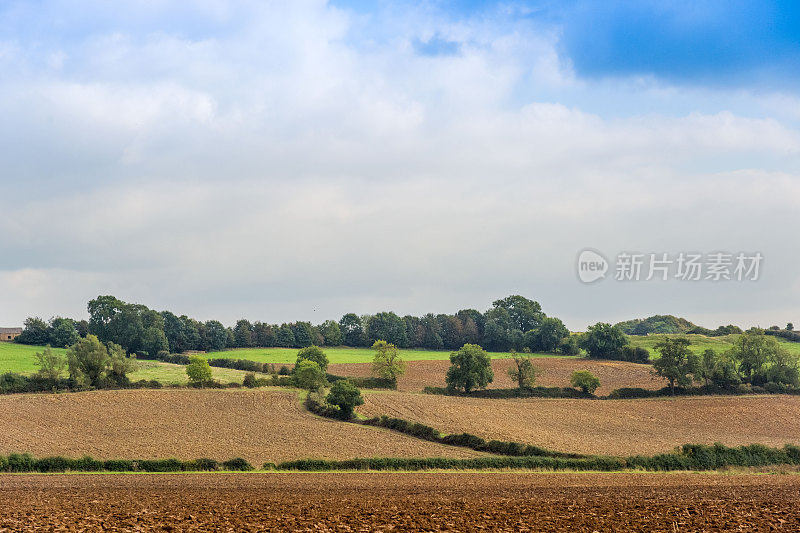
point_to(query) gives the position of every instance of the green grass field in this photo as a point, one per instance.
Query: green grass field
(339, 355)
(19, 358)
(700, 343)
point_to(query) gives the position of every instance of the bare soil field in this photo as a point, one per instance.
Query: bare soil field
(554, 372)
(613, 427)
(258, 425)
(404, 502)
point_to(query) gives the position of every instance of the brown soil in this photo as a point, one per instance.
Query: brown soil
(616, 427)
(554, 372)
(404, 502)
(258, 425)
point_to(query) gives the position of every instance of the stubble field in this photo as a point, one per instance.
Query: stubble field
(553, 372)
(610, 427)
(259, 425)
(403, 502)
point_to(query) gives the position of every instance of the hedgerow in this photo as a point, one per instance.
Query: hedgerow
(534, 392)
(465, 440)
(24, 462)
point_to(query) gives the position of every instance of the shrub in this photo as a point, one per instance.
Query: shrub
(237, 464)
(308, 375)
(313, 353)
(249, 380)
(199, 371)
(523, 371)
(585, 381)
(604, 341)
(345, 396)
(569, 345)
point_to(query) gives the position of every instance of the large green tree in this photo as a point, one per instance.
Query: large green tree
(677, 363)
(603, 341)
(470, 369)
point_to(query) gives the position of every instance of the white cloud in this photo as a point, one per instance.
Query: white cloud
(275, 164)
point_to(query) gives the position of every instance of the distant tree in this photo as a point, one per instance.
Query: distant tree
(120, 364)
(523, 371)
(332, 333)
(51, 365)
(88, 361)
(263, 335)
(284, 337)
(474, 316)
(314, 353)
(36, 331)
(525, 314)
(495, 336)
(303, 335)
(569, 345)
(216, 335)
(470, 368)
(249, 380)
(603, 341)
(352, 330)
(198, 371)
(387, 363)
(789, 327)
(752, 350)
(243, 331)
(346, 396)
(784, 368)
(676, 362)
(547, 336)
(62, 332)
(585, 381)
(154, 341)
(173, 331)
(452, 331)
(387, 326)
(432, 332)
(308, 375)
(472, 334)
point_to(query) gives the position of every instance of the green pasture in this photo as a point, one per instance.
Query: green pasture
(701, 343)
(20, 358)
(340, 354)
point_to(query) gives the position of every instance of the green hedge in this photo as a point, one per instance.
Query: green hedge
(465, 440)
(695, 457)
(26, 463)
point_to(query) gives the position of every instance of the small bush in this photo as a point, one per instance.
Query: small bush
(249, 380)
(237, 464)
(345, 396)
(585, 381)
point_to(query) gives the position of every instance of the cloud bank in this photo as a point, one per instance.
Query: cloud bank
(286, 161)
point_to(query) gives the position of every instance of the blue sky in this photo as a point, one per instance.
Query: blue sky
(285, 161)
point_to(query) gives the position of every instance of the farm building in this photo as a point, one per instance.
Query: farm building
(9, 334)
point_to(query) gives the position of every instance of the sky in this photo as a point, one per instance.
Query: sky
(299, 160)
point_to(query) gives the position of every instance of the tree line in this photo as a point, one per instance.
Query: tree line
(512, 323)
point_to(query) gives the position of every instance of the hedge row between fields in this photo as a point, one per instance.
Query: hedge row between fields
(23, 462)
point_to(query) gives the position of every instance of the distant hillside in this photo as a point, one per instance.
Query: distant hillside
(656, 324)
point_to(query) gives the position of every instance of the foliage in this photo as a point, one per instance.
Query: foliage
(585, 381)
(50, 364)
(345, 396)
(88, 361)
(523, 371)
(752, 351)
(313, 353)
(198, 371)
(677, 362)
(603, 341)
(660, 324)
(308, 375)
(387, 363)
(470, 368)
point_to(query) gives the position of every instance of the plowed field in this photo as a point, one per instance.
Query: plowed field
(403, 502)
(554, 372)
(258, 425)
(616, 427)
